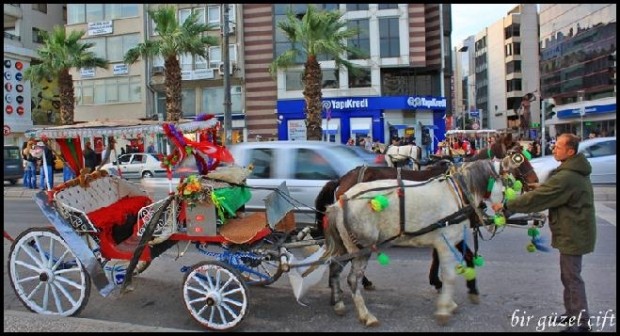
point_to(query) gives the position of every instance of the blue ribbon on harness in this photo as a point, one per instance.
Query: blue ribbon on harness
(459, 258)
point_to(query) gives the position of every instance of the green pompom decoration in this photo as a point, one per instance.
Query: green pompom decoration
(527, 154)
(531, 247)
(460, 269)
(510, 194)
(499, 220)
(469, 273)
(533, 232)
(379, 203)
(383, 259)
(478, 261)
(517, 186)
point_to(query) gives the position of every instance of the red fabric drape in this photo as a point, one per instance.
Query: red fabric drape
(71, 150)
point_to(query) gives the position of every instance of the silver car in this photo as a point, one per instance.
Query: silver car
(305, 166)
(137, 165)
(600, 152)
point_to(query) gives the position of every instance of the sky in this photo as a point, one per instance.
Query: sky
(470, 19)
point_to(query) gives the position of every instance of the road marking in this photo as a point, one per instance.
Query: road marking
(606, 213)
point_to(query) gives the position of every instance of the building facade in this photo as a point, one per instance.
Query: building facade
(577, 47)
(27, 105)
(402, 91)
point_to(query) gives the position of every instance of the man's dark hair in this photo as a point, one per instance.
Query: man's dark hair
(572, 141)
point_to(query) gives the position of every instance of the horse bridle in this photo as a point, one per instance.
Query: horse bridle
(520, 175)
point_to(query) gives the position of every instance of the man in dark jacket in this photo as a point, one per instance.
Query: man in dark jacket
(569, 197)
(90, 157)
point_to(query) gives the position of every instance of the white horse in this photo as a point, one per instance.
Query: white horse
(357, 227)
(396, 154)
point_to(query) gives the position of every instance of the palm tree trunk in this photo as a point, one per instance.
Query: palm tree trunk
(173, 89)
(312, 80)
(67, 99)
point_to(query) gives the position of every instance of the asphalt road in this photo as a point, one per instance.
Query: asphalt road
(514, 285)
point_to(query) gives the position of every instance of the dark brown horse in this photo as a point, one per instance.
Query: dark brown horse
(335, 188)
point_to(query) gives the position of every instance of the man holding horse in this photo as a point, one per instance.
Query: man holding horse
(569, 197)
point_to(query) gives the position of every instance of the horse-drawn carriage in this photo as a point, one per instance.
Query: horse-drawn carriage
(105, 230)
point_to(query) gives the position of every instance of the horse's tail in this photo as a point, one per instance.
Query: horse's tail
(333, 242)
(323, 199)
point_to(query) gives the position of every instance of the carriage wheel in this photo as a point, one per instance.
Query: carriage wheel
(215, 296)
(46, 275)
(264, 268)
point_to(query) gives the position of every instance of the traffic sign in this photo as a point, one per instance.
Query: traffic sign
(474, 114)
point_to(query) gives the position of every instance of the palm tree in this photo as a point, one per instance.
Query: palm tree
(61, 52)
(317, 33)
(174, 39)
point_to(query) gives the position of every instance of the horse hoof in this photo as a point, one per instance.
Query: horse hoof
(370, 287)
(452, 307)
(339, 308)
(474, 298)
(371, 321)
(442, 319)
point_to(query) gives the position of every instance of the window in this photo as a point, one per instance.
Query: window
(330, 79)
(362, 40)
(40, 7)
(108, 91)
(311, 165)
(389, 37)
(601, 149)
(293, 80)
(356, 7)
(81, 13)
(360, 80)
(328, 7)
(36, 35)
(388, 6)
(213, 101)
(215, 55)
(262, 159)
(214, 14)
(188, 104)
(94, 12)
(117, 46)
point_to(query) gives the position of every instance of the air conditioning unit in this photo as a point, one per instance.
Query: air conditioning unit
(220, 69)
(158, 69)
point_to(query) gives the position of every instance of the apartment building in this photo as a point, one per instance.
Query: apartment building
(27, 105)
(578, 50)
(504, 64)
(137, 91)
(402, 91)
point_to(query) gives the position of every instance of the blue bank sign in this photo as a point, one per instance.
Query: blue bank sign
(589, 110)
(369, 103)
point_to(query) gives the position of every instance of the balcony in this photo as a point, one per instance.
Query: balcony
(12, 37)
(12, 13)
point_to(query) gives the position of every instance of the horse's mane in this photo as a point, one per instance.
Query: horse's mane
(476, 176)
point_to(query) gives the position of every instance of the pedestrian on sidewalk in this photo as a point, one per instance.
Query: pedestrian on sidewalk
(569, 196)
(47, 165)
(30, 168)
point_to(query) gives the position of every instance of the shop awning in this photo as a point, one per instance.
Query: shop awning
(430, 126)
(398, 126)
(360, 126)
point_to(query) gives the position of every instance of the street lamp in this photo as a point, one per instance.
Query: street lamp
(465, 102)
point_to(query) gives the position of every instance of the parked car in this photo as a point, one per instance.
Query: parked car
(136, 166)
(306, 166)
(13, 164)
(600, 152)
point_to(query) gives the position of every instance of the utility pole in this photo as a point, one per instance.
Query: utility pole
(226, 60)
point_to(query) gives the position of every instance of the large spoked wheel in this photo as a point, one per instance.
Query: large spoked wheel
(260, 266)
(215, 295)
(46, 275)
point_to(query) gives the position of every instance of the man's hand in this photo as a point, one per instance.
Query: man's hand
(497, 207)
(533, 186)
